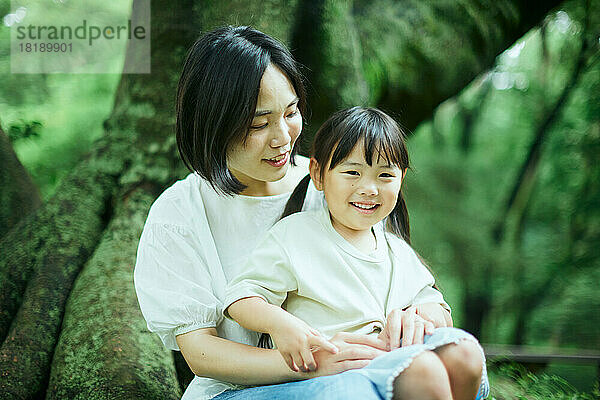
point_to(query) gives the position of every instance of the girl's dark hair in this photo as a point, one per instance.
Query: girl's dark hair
(381, 137)
(217, 95)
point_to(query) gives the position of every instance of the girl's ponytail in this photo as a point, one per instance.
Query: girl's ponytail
(293, 206)
(296, 200)
(397, 222)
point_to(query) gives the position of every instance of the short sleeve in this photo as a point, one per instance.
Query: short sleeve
(430, 295)
(173, 283)
(268, 274)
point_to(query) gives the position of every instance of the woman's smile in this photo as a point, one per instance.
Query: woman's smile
(278, 161)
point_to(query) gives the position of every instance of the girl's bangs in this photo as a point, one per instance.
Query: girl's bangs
(381, 139)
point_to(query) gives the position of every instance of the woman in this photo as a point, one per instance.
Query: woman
(239, 114)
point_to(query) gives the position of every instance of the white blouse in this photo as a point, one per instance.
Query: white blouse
(194, 241)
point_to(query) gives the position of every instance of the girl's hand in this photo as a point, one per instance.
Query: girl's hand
(355, 351)
(296, 342)
(406, 325)
(435, 313)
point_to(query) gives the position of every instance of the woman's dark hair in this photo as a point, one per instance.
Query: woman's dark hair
(217, 94)
(381, 137)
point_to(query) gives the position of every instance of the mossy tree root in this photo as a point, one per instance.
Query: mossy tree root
(105, 349)
(19, 195)
(26, 353)
(65, 229)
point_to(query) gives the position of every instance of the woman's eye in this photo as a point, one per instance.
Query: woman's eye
(292, 114)
(386, 175)
(258, 127)
(354, 173)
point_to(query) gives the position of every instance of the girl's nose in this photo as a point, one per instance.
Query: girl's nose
(368, 188)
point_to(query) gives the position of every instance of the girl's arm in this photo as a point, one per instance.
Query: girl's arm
(436, 313)
(211, 356)
(293, 337)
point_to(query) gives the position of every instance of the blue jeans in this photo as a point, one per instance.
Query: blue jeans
(373, 382)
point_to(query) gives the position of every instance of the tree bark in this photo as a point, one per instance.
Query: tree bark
(325, 40)
(19, 196)
(27, 351)
(416, 54)
(105, 350)
(67, 227)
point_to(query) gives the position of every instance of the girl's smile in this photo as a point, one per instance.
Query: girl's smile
(365, 207)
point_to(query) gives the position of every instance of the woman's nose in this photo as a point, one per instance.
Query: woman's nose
(281, 135)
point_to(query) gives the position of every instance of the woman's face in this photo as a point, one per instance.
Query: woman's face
(277, 123)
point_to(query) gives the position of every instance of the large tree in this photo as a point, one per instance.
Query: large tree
(19, 195)
(85, 337)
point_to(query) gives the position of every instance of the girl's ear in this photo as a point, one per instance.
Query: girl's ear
(313, 168)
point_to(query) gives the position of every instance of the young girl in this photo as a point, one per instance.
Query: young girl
(339, 269)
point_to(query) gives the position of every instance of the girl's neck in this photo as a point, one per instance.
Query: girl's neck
(363, 240)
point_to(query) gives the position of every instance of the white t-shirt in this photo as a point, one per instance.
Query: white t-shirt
(194, 241)
(327, 282)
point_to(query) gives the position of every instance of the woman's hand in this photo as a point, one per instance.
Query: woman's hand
(296, 342)
(355, 351)
(407, 325)
(434, 312)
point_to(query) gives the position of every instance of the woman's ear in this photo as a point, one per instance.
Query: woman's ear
(315, 176)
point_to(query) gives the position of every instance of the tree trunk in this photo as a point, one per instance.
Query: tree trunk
(104, 349)
(65, 230)
(19, 196)
(26, 353)
(412, 54)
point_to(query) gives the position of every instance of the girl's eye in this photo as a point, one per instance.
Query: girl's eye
(292, 114)
(354, 173)
(386, 175)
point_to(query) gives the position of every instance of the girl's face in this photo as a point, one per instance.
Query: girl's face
(277, 123)
(359, 195)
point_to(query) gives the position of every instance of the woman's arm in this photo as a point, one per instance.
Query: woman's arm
(211, 356)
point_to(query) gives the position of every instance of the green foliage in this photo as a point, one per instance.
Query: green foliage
(514, 382)
(62, 114)
(24, 130)
(540, 275)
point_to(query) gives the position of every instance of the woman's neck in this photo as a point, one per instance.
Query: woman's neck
(265, 189)
(364, 240)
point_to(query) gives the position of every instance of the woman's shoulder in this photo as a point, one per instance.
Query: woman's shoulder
(298, 171)
(176, 203)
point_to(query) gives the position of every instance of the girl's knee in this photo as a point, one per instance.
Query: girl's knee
(464, 358)
(425, 378)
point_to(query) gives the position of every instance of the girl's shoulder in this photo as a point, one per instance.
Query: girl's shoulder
(298, 224)
(398, 245)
